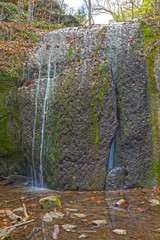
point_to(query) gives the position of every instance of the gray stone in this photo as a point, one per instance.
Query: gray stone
(71, 210)
(84, 101)
(83, 236)
(78, 215)
(68, 227)
(57, 215)
(116, 178)
(47, 218)
(154, 202)
(20, 209)
(120, 231)
(99, 223)
(50, 202)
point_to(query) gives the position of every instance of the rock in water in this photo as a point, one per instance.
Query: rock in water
(50, 202)
(99, 223)
(83, 236)
(78, 215)
(71, 210)
(56, 232)
(47, 218)
(12, 216)
(68, 227)
(120, 231)
(154, 202)
(20, 209)
(57, 215)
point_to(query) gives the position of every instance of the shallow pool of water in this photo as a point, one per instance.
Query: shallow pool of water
(137, 215)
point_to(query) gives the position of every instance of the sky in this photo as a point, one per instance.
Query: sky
(100, 19)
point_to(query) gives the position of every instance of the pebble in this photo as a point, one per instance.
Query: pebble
(20, 209)
(120, 231)
(47, 218)
(83, 236)
(68, 227)
(57, 215)
(78, 215)
(71, 210)
(154, 202)
(99, 223)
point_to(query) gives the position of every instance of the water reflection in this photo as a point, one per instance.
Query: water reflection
(136, 215)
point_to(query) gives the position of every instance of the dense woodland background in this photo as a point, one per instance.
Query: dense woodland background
(22, 23)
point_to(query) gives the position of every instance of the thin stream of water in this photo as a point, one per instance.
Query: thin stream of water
(34, 175)
(41, 182)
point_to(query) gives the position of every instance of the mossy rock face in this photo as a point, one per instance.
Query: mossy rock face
(12, 159)
(49, 202)
(85, 100)
(153, 63)
(83, 129)
(131, 79)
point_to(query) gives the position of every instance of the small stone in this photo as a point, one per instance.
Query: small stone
(83, 236)
(68, 227)
(71, 210)
(47, 218)
(120, 231)
(56, 232)
(57, 215)
(99, 223)
(71, 202)
(20, 209)
(78, 215)
(50, 202)
(154, 202)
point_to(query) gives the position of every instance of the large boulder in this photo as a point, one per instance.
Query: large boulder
(97, 80)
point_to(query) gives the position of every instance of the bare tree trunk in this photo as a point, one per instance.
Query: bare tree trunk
(30, 11)
(89, 12)
(50, 12)
(20, 8)
(60, 12)
(132, 9)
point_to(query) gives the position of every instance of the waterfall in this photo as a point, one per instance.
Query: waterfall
(33, 174)
(113, 151)
(111, 156)
(43, 122)
(44, 113)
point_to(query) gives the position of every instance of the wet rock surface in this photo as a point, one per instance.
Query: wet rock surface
(49, 202)
(81, 119)
(85, 105)
(116, 178)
